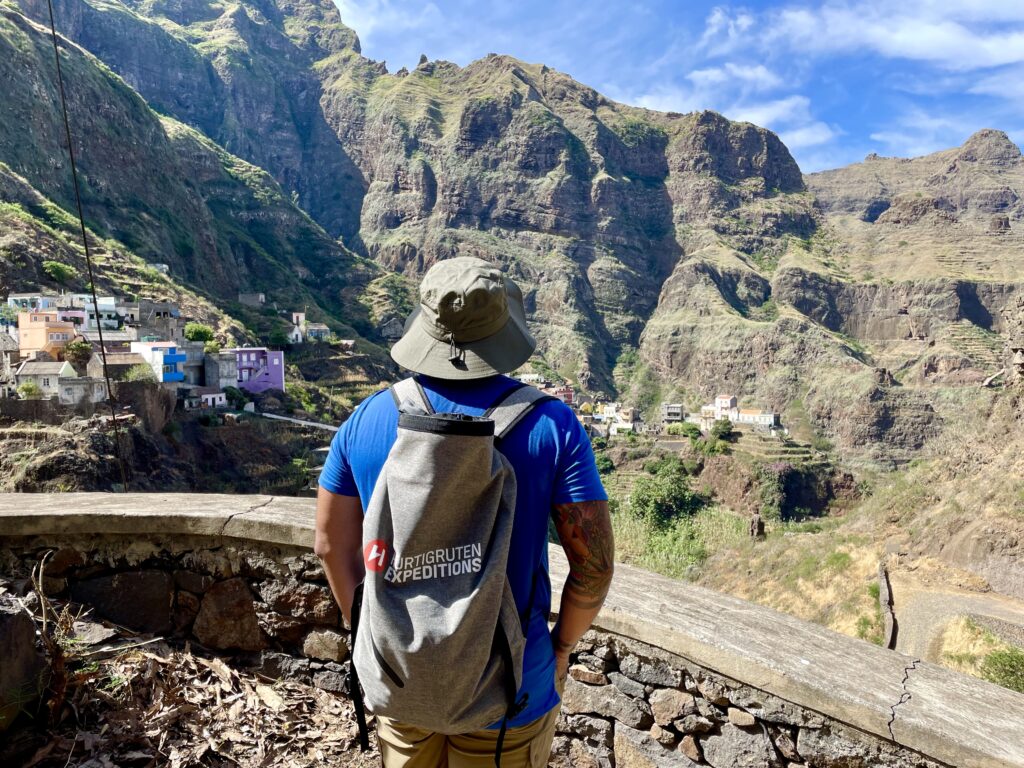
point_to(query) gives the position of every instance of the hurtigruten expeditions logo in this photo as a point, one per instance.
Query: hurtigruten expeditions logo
(433, 564)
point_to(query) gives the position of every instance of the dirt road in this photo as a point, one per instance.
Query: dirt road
(923, 612)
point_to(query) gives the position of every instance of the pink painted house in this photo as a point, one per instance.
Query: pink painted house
(259, 369)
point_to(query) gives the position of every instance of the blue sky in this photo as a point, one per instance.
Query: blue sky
(836, 80)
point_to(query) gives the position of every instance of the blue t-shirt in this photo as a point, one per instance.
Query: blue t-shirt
(554, 464)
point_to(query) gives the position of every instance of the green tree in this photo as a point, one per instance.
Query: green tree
(29, 390)
(198, 332)
(664, 497)
(78, 352)
(211, 347)
(605, 465)
(59, 272)
(685, 429)
(236, 398)
(722, 430)
(140, 372)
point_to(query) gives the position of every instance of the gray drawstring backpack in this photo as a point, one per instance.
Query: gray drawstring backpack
(438, 638)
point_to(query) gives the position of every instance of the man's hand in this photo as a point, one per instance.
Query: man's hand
(585, 532)
(338, 543)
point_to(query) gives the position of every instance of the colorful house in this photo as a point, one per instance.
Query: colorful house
(259, 369)
(164, 358)
(45, 332)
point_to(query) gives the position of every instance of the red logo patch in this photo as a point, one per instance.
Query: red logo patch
(375, 555)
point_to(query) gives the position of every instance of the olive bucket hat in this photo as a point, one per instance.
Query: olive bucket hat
(470, 323)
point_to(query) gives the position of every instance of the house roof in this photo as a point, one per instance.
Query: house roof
(8, 343)
(109, 336)
(317, 327)
(31, 368)
(207, 391)
(727, 397)
(123, 358)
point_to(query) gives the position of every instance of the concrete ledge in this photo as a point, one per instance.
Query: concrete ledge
(943, 715)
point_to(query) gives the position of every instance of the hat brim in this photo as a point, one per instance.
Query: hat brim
(501, 352)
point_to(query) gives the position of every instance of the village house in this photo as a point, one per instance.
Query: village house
(672, 413)
(533, 378)
(45, 376)
(118, 364)
(81, 389)
(164, 358)
(317, 331)
(160, 267)
(564, 393)
(32, 300)
(298, 332)
(725, 407)
(347, 345)
(116, 342)
(194, 365)
(252, 299)
(205, 397)
(259, 369)
(43, 331)
(221, 369)
(8, 363)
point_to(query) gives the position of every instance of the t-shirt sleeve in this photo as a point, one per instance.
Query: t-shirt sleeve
(336, 475)
(576, 478)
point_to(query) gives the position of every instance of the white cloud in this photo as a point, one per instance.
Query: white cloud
(972, 37)
(916, 132)
(786, 111)
(1007, 84)
(368, 16)
(811, 135)
(753, 76)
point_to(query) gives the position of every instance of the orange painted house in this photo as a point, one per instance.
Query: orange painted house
(43, 332)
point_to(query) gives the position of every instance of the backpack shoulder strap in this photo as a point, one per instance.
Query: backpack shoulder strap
(409, 391)
(513, 407)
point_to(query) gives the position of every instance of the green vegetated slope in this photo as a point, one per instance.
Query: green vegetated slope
(163, 190)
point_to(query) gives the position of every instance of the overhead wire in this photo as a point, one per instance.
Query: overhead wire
(111, 401)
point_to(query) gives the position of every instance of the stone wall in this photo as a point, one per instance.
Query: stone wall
(671, 675)
(628, 704)
(268, 604)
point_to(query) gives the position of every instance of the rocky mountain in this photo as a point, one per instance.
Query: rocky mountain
(663, 256)
(159, 189)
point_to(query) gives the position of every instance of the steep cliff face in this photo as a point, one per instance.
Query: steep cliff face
(241, 74)
(162, 189)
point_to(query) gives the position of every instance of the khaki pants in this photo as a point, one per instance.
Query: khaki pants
(406, 746)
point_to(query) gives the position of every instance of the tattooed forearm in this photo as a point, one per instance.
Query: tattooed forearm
(585, 531)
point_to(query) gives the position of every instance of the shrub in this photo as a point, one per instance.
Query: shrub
(669, 463)
(688, 429)
(59, 272)
(140, 373)
(236, 398)
(605, 465)
(665, 496)
(722, 430)
(211, 347)
(29, 391)
(198, 332)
